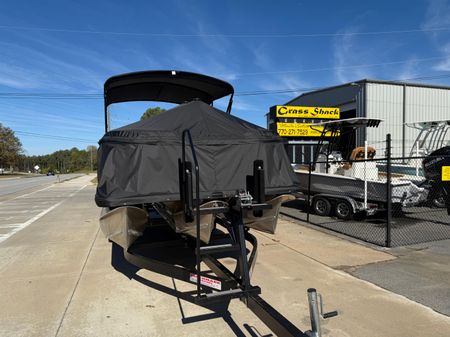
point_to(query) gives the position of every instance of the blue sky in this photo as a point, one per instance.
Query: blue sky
(71, 47)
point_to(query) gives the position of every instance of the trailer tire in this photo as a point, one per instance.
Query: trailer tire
(439, 201)
(321, 206)
(343, 210)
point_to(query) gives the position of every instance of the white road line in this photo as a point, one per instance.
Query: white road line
(36, 217)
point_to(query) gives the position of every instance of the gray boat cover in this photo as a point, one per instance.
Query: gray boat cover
(138, 163)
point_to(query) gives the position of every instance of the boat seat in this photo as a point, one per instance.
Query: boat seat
(358, 154)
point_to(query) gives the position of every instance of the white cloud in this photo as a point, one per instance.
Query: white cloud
(409, 69)
(347, 52)
(438, 16)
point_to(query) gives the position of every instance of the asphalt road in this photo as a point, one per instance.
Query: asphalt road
(421, 272)
(13, 185)
(24, 200)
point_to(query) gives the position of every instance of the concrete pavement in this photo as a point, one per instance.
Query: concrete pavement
(57, 280)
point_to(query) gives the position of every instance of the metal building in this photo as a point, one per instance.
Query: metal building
(396, 103)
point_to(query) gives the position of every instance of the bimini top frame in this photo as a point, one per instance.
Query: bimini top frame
(332, 130)
(353, 123)
(164, 86)
(432, 136)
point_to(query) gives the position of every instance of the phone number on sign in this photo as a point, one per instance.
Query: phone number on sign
(294, 132)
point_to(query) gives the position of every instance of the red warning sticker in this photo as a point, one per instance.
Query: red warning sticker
(206, 281)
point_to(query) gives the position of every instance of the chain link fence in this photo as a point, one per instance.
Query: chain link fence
(386, 201)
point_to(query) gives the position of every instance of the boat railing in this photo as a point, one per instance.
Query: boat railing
(187, 196)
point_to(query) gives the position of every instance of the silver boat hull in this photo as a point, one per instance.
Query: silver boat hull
(123, 225)
(268, 222)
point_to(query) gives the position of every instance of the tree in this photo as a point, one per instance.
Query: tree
(151, 112)
(10, 147)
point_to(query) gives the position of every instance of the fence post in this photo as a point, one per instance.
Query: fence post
(388, 191)
(309, 193)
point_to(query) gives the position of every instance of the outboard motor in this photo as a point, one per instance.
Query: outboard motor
(439, 189)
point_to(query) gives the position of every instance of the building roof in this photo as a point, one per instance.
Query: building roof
(355, 84)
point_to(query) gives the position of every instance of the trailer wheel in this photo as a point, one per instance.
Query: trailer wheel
(344, 210)
(439, 201)
(322, 206)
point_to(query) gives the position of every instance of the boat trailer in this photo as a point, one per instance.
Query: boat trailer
(180, 257)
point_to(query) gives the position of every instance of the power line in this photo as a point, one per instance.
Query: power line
(88, 96)
(283, 91)
(50, 95)
(343, 67)
(241, 93)
(40, 135)
(240, 35)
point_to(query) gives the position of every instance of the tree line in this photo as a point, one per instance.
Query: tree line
(12, 157)
(62, 161)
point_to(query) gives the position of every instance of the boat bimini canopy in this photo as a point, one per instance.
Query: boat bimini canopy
(331, 131)
(164, 86)
(353, 123)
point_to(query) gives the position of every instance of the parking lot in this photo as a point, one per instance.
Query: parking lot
(412, 225)
(57, 280)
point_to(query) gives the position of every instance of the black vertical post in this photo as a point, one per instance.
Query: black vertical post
(309, 192)
(388, 190)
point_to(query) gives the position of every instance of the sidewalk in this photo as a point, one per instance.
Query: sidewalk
(57, 280)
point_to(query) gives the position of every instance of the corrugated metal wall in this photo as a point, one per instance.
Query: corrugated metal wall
(385, 101)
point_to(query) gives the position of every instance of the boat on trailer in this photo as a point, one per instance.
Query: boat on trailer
(139, 164)
(350, 182)
(183, 190)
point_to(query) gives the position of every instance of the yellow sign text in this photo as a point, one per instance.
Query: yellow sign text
(299, 130)
(288, 111)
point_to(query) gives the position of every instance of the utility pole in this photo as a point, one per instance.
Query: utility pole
(92, 166)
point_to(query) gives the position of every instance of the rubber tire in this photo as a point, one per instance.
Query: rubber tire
(321, 206)
(439, 201)
(342, 205)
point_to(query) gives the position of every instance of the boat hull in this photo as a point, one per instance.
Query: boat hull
(123, 225)
(269, 219)
(403, 191)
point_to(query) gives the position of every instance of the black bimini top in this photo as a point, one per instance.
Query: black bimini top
(165, 86)
(358, 122)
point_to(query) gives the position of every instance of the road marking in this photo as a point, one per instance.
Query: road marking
(36, 217)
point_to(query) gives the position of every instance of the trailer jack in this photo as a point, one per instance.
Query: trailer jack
(315, 311)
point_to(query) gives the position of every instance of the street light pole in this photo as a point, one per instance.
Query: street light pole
(92, 166)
